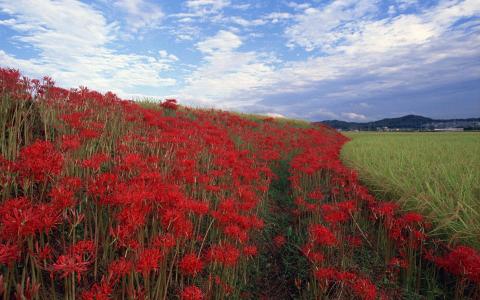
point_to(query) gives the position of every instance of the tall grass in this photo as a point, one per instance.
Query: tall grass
(435, 173)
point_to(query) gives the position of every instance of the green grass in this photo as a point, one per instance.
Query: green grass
(437, 174)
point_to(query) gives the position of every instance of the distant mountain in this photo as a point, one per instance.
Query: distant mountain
(409, 122)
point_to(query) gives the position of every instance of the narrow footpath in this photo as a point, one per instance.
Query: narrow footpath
(282, 269)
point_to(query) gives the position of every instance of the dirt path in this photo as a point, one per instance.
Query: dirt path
(282, 268)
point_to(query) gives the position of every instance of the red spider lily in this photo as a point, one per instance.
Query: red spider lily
(75, 120)
(364, 289)
(148, 261)
(62, 197)
(347, 206)
(39, 161)
(19, 219)
(191, 292)
(321, 235)
(165, 241)
(398, 262)
(89, 134)
(197, 207)
(102, 187)
(43, 253)
(279, 241)
(95, 161)
(226, 254)
(9, 254)
(70, 183)
(334, 217)
(170, 104)
(250, 250)
(385, 209)
(316, 195)
(100, 291)
(85, 247)
(70, 264)
(411, 218)
(462, 261)
(326, 274)
(190, 265)
(70, 143)
(119, 268)
(236, 233)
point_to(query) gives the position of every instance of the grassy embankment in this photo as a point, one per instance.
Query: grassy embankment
(435, 173)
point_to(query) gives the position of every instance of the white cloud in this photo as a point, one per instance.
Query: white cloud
(275, 17)
(298, 6)
(72, 40)
(206, 7)
(165, 55)
(349, 26)
(323, 27)
(141, 14)
(404, 4)
(224, 41)
(226, 78)
(243, 6)
(246, 23)
(274, 115)
(354, 116)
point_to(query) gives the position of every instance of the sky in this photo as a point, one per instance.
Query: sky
(354, 60)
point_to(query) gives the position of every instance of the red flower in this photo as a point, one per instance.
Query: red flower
(191, 293)
(326, 274)
(119, 268)
(148, 261)
(462, 261)
(70, 142)
(70, 264)
(43, 253)
(385, 209)
(279, 240)
(236, 233)
(398, 263)
(9, 254)
(225, 254)
(250, 250)
(39, 161)
(170, 104)
(19, 218)
(190, 265)
(322, 235)
(364, 289)
(100, 291)
(95, 161)
(165, 242)
(412, 218)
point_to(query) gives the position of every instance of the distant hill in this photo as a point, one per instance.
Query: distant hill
(409, 122)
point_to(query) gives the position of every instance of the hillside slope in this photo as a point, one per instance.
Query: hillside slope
(106, 198)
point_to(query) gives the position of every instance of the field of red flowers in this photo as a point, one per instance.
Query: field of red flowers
(103, 198)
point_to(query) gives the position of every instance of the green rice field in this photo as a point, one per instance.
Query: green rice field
(437, 174)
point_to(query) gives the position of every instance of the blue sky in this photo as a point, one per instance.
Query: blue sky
(355, 60)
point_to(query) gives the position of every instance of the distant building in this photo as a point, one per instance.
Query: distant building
(448, 129)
